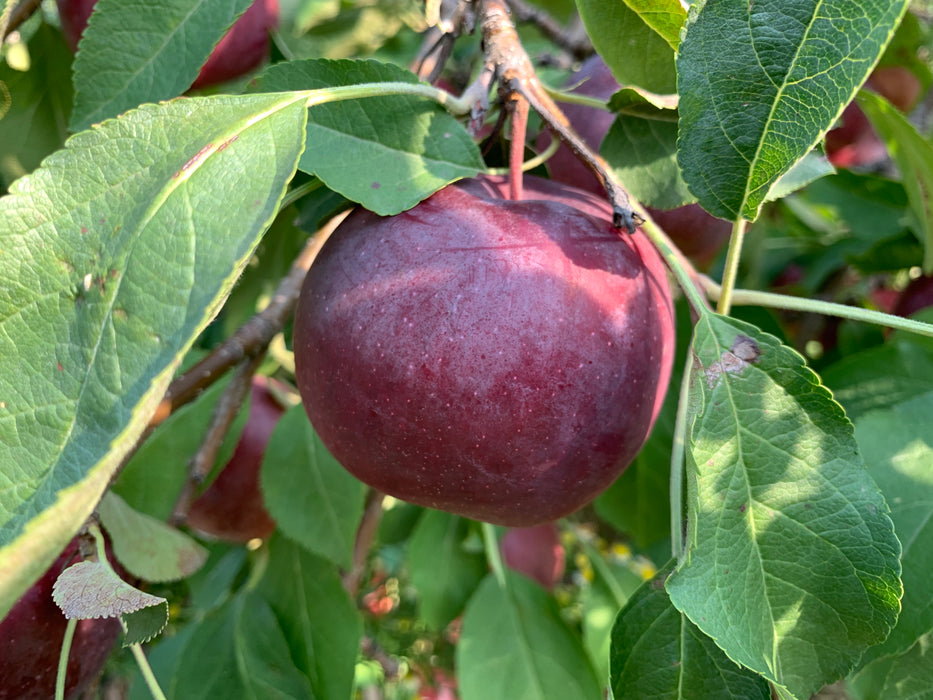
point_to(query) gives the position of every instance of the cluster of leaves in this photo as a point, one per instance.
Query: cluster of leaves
(162, 228)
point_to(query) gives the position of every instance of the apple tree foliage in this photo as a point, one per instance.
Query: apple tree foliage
(139, 229)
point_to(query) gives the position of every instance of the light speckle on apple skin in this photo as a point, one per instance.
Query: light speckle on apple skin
(495, 359)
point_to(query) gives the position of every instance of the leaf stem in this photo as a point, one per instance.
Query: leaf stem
(678, 452)
(749, 297)
(452, 103)
(491, 544)
(144, 668)
(293, 195)
(731, 271)
(63, 659)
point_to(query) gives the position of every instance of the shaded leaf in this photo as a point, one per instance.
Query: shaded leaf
(144, 624)
(149, 549)
(898, 447)
(643, 57)
(314, 500)
(908, 675)
(444, 573)
(773, 468)
(136, 51)
(658, 653)
(39, 105)
(321, 623)
(91, 589)
(387, 153)
(104, 284)
(913, 155)
(248, 656)
(760, 83)
(513, 644)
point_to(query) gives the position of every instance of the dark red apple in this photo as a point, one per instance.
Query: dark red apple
(536, 552)
(31, 641)
(917, 295)
(243, 48)
(699, 235)
(503, 360)
(897, 84)
(232, 508)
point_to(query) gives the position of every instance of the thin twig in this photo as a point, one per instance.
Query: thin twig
(516, 74)
(226, 410)
(574, 42)
(20, 14)
(365, 534)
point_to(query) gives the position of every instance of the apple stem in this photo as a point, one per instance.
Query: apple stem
(748, 297)
(493, 556)
(63, 659)
(731, 271)
(518, 106)
(531, 163)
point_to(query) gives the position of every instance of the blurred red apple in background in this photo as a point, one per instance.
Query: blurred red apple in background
(503, 360)
(31, 640)
(243, 48)
(232, 507)
(917, 295)
(699, 235)
(535, 552)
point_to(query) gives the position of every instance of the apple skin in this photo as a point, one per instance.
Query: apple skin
(243, 48)
(31, 639)
(232, 508)
(918, 294)
(535, 552)
(500, 360)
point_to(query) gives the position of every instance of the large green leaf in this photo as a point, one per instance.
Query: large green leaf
(637, 39)
(442, 570)
(387, 153)
(658, 653)
(898, 448)
(514, 646)
(114, 255)
(318, 617)
(314, 500)
(914, 157)
(136, 51)
(760, 83)
(791, 562)
(239, 651)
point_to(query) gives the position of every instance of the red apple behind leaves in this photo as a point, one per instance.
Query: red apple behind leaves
(244, 48)
(496, 359)
(31, 641)
(699, 235)
(917, 295)
(232, 508)
(536, 552)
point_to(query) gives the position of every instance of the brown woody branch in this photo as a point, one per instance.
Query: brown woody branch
(573, 41)
(516, 74)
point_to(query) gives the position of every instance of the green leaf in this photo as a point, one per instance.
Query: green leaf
(883, 376)
(91, 589)
(149, 549)
(514, 646)
(136, 51)
(320, 622)
(239, 651)
(791, 563)
(760, 83)
(442, 571)
(40, 102)
(651, 31)
(897, 444)
(114, 256)
(387, 153)
(913, 155)
(811, 167)
(144, 624)
(314, 500)
(658, 653)
(909, 675)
